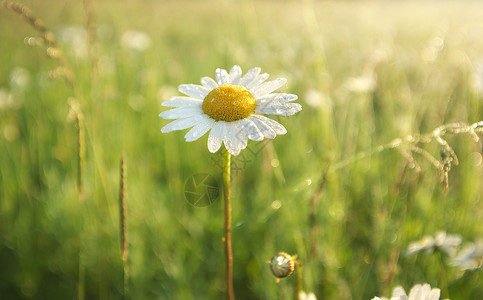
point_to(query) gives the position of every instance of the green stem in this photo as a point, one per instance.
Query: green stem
(123, 225)
(227, 239)
(298, 282)
(443, 280)
(80, 200)
(82, 274)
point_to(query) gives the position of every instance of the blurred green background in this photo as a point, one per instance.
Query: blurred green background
(365, 72)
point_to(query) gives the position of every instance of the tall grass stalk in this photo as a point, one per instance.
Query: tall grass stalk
(227, 238)
(80, 195)
(81, 155)
(412, 144)
(123, 226)
(38, 24)
(314, 201)
(63, 71)
(298, 281)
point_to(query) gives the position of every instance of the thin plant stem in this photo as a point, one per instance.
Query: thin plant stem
(443, 280)
(123, 226)
(298, 282)
(314, 200)
(82, 274)
(81, 156)
(80, 200)
(227, 238)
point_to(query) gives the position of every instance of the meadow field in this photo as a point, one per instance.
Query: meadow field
(385, 152)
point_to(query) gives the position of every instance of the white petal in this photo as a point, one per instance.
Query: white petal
(277, 97)
(234, 139)
(250, 129)
(216, 136)
(209, 83)
(398, 292)
(181, 124)
(249, 76)
(222, 76)
(193, 90)
(434, 294)
(416, 292)
(277, 127)
(181, 101)
(282, 109)
(268, 87)
(182, 112)
(235, 75)
(199, 129)
(260, 78)
(266, 130)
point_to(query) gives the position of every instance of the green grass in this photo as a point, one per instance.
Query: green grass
(175, 250)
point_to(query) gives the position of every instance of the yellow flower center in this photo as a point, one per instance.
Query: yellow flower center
(229, 103)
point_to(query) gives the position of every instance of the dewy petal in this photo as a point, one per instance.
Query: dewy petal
(209, 83)
(181, 101)
(260, 78)
(216, 136)
(277, 127)
(250, 129)
(222, 76)
(199, 129)
(234, 139)
(280, 109)
(181, 124)
(268, 87)
(235, 75)
(194, 90)
(277, 97)
(235, 134)
(266, 130)
(181, 112)
(250, 76)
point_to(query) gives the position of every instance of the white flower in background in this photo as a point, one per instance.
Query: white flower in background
(418, 292)
(6, 99)
(317, 99)
(231, 107)
(442, 242)
(76, 39)
(309, 296)
(19, 78)
(362, 84)
(135, 40)
(470, 257)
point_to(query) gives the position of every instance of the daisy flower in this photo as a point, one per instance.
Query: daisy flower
(443, 242)
(418, 292)
(305, 296)
(470, 257)
(232, 108)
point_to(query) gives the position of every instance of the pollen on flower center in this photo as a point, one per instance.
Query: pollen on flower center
(229, 103)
